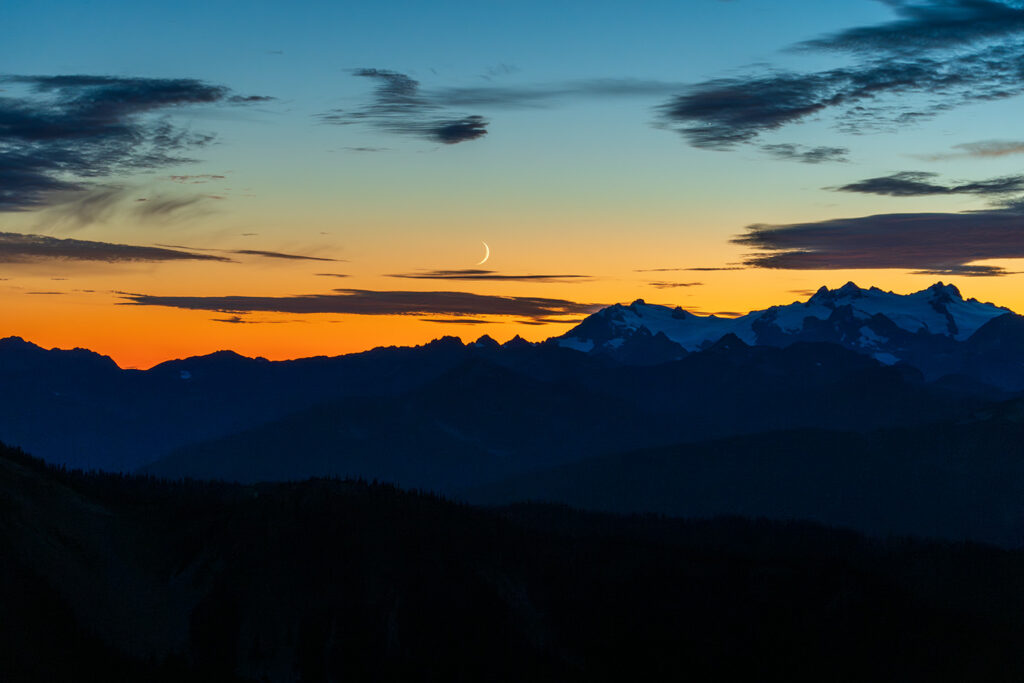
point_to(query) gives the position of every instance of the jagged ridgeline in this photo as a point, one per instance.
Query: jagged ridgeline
(907, 401)
(111, 577)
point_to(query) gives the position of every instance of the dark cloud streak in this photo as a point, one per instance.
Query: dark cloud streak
(933, 243)
(19, 248)
(367, 302)
(279, 255)
(398, 106)
(920, 184)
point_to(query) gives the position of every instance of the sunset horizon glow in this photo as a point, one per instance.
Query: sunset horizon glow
(321, 179)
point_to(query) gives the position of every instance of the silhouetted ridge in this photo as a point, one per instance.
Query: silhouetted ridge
(120, 578)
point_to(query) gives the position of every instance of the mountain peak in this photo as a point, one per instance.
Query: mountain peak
(869, 320)
(949, 291)
(516, 342)
(729, 342)
(849, 289)
(17, 343)
(486, 342)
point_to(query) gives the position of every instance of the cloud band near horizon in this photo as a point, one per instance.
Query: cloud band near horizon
(932, 243)
(369, 302)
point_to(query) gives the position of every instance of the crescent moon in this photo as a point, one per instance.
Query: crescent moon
(487, 254)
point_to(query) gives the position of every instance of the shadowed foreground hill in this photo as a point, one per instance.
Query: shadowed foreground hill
(954, 480)
(119, 578)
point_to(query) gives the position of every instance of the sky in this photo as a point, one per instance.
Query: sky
(317, 178)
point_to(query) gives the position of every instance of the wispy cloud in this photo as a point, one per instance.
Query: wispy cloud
(681, 270)
(933, 243)
(399, 106)
(61, 134)
(459, 321)
(197, 179)
(921, 184)
(19, 248)
(939, 54)
(989, 149)
(164, 207)
(662, 284)
(474, 274)
(261, 253)
(806, 155)
(368, 302)
(551, 94)
(280, 255)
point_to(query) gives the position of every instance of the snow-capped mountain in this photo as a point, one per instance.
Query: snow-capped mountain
(891, 327)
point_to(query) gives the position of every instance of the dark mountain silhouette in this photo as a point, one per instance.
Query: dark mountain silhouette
(477, 422)
(78, 408)
(918, 356)
(931, 330)
(957, 480)
(107, 577)
(481, 421)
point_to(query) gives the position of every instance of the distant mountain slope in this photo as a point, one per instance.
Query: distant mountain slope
(477, 422)
(117, 578)
(482, 421)
(958, 481)
(78, 408)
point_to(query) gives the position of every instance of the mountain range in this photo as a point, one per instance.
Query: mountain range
(936, 330)
(855, 394)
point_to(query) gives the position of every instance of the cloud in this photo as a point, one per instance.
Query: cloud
(196, 179)
(332, 274)
(929, 25)
(60, 134)
(401, 105)
(933, 243)
(940, 55)
(19, 248)
(680, 270)
(549, 94)
(367, 302)
(280, 255)
(670, 285)
(807, 155)
(398, 106)
(981, 150)
(919, 184)
(239, 320)
(460, 321)
(163, 207)
(474, 274)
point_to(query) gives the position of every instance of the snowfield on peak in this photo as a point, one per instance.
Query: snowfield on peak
(855, 317)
